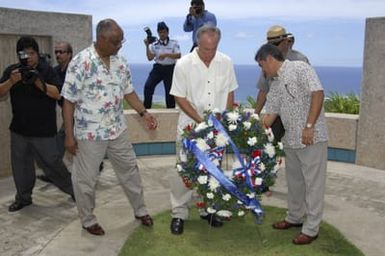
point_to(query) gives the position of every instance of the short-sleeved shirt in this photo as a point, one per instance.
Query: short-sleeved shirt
(160, 47)
(205, 88)
(265, 84)
(98, 94)
(33, 111)
(290, 97)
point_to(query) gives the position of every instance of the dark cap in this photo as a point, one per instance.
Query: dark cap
(197, 2)
(162, 25)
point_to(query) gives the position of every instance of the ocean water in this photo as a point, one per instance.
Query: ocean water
(343, 80)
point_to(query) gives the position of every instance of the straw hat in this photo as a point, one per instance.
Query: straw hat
(276, 33)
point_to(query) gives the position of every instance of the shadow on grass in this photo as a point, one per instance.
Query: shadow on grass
(240, 236)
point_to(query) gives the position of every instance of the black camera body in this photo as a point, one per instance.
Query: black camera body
(28, 74)
(150, 37)
(198, 9)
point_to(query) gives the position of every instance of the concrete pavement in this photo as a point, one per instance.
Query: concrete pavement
(355, 204)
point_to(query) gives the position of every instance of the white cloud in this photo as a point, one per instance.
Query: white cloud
(182, 38)
(242, 35)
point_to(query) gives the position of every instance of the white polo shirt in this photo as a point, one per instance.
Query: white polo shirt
(206, 88)
(159, 48)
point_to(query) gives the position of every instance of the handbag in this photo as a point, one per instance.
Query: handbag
(278, 129)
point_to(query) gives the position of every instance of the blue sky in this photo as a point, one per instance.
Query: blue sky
(329, 32)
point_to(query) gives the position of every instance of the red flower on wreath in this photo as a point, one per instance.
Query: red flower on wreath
(256, 153)
(200, 204)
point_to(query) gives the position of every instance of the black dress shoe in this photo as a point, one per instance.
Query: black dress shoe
(17, 205)
(212, 220)
(176, 226)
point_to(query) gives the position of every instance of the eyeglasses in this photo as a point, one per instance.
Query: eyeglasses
(60, 52)
(118, 42)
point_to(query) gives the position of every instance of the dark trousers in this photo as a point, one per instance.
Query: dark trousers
(157, 74)
(23, 151)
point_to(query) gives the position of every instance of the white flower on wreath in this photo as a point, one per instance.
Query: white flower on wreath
(232, 127)
(210, 135)
(221, 140)
(182, 156)
(241, 213)
(226, 197)
(270, 150)
(250, 195)
(200, 127)
(247, 125)
(255, 116)
(232, 117)
(202, 179)
(211, 210)
(252, 141)
(270, 134)
(258, 181)
(262, 166)
(268, 130)
(280, 145)
(224, 213)
(210, 195)
(179, 168)
(213, 183)
(202, 145)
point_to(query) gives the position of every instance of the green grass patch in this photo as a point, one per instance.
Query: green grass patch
(240, 236)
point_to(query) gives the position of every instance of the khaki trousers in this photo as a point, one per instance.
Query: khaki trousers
(306, 176)
(85, 172)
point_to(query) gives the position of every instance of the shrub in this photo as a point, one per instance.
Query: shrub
(337, 103)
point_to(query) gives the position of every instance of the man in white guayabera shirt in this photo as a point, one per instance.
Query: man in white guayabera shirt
(203, 80)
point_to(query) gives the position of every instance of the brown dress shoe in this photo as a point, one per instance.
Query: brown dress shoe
(146, 220)
(95, 229)
(302, 239)
(283, 224)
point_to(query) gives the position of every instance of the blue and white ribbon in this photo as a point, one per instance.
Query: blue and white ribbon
(212, 169)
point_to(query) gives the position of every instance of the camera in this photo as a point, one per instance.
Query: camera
(150, 37)
(28, 74)
(198, 9)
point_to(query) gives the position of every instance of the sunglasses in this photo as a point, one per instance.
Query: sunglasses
(60, 52)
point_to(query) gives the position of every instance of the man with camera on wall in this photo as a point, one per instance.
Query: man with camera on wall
(34, 90)
(165, 52)
(196, 18)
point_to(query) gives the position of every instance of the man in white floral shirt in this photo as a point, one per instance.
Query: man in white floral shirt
(297, 98)
(97, 82)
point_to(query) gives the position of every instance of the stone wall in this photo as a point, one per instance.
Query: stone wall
(371, 129)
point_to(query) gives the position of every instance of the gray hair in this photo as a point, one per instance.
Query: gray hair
(208, 28)
(269, 49)
(105, 26)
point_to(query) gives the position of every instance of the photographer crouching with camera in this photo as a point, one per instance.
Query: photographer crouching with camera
(165, 52)
(34, 91)
(196, 18)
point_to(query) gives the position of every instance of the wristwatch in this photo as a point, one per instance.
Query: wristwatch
(309, 125)
(143, 112)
